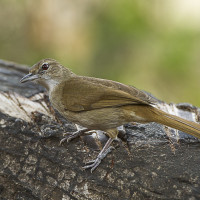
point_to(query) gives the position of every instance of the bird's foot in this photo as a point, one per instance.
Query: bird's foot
(71, 136)
(93, 164)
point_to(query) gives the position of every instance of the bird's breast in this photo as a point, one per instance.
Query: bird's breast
(98, 119)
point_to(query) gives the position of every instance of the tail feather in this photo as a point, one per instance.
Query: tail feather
(179, 123)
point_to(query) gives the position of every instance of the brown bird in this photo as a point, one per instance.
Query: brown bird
(99, 104)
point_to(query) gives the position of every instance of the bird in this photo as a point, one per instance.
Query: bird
(100, 104)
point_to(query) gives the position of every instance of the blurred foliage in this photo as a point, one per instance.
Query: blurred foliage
(153, 45)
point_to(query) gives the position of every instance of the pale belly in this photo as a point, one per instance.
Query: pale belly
(102, 119)
(99, 119)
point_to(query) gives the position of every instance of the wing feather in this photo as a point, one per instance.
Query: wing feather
(85, 93)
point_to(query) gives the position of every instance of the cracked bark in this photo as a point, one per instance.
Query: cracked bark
(151, 162)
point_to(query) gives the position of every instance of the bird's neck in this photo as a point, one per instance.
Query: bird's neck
(49, 84)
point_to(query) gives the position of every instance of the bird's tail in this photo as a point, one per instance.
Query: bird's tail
(176, 122)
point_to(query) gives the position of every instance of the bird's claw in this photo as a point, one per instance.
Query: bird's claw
(93, 164)
(72, 136)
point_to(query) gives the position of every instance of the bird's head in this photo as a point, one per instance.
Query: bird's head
(47, 72)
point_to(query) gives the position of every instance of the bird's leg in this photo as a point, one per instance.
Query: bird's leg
(80, 131)
(93, 164)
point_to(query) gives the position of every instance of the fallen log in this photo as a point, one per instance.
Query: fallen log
(151, 161)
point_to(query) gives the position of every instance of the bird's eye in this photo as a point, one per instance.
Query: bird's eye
(45, 66)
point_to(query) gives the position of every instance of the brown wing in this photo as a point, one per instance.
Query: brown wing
(83, 94)
(139, 94)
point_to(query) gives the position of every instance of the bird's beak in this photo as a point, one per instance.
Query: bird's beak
(29, 77)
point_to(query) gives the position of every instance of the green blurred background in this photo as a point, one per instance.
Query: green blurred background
(153, 45)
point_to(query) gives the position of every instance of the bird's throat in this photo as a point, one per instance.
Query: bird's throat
(49, 84)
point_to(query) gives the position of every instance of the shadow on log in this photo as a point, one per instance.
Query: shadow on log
(151, 161)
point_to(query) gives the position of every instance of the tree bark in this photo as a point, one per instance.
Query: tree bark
(151, 161)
